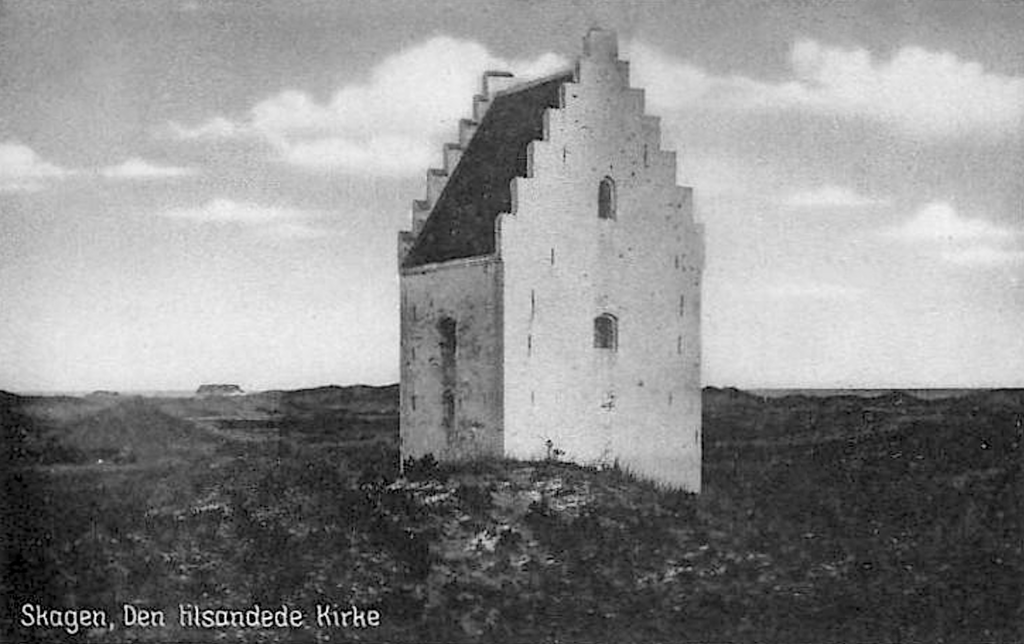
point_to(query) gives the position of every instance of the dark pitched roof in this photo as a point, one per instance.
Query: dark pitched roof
(462, 221)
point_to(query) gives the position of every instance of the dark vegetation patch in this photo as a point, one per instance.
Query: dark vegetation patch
(835, 519)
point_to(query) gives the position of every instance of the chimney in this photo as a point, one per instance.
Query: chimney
(601, 43)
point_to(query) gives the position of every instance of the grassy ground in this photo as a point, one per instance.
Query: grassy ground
(822, 520)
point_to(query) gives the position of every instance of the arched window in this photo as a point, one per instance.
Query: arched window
(606, 332)
(606, 199)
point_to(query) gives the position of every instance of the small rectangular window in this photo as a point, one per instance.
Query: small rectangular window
(606, 199)
(552, 256)
(679, 344)
(533, 303)
(682, 305)
(529, 345)
(606, 332)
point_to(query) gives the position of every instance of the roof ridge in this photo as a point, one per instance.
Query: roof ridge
(527, 84)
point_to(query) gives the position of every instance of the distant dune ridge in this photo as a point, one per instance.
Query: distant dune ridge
(219, 390)
(133, 427)
(103, 393)
(125, 428)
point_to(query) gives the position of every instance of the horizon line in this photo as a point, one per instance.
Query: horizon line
(747, 388)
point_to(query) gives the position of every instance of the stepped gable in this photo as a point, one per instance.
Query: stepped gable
(461, 223)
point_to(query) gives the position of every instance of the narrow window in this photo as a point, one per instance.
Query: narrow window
(448, 400)
(552, 256)
(606, 331)
(449, 346)
(529, 345)
(563, 154)
(533, 303)
(677, 261)
(679, 345)
(682, 305)
(645, 156)
(606, 199)
(414, 403)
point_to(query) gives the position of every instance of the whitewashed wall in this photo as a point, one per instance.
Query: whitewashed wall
(640, 404)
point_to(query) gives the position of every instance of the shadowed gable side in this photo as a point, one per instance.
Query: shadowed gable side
(461, 224)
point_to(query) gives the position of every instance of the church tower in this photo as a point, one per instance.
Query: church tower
(551, 283)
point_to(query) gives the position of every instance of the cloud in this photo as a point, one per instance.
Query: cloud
(217, 127)
(278, 222)
(923, 93)
(226, 211)
(136, 168)
(392, 155)
(291, 230)
(962, 241)
(393, 123)
(802, 289)
(829, 196)
(714, 174)
(983, 256)
(22, 170)
(939, 222)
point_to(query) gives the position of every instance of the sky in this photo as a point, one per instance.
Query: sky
(210, 191)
